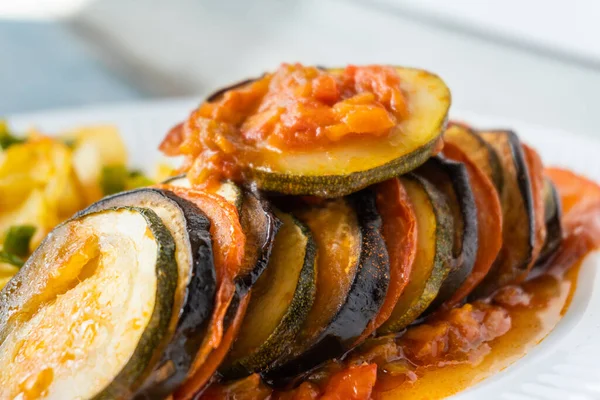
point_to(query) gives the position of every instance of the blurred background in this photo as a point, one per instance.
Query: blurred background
(532, 60)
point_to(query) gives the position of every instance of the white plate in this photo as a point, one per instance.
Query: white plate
(566, 365)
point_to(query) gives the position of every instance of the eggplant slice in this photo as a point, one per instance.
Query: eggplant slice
(258, 223)
(553, 216)
(451, 178)
(196, 280)
(482, 154)
(103, 283)
(433, 261)
(280, 302)
(352, 281)
(517, 214)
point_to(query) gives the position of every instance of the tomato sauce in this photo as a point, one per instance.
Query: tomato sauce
(459, 347)
(295, 108)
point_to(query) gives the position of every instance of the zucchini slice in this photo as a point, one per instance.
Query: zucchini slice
(281, 300)
(400, 234)
(478, 150)
(451, 178)
(228, 241)
(518, 229)
(553, 216)
(101, 284)
(352, 281)
(356, 162)
(347, 168)
(489, 223)
(433, 261)
(196, 285)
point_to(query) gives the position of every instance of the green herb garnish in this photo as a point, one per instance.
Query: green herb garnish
(116, 178)
(11, 259)
(18, 239)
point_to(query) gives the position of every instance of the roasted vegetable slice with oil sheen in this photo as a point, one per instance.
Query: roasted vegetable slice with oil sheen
(517, 213)
(433, 260)
(258, 223)
(553, 215)
(350, 164)
(489, 223)
(281, 299)
(101, 284)
(367, 160)
(399, 230)
(194, 298)
(535, 171)
(451, 178)
(352, 281)
(478, 150)
(229, 242)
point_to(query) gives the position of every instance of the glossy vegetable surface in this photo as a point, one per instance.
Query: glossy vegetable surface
(518, 216)
(281, 300)
(352, 280)
(452, 179)
(433, 260)
(103, 283)
(489, 223)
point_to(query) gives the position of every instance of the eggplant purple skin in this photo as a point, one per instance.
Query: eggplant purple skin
(554, 232)
(463, 262)
(179, 353)
(364, 300)
(244, 283)
(195, 315)
(493, 280)
(272, 227)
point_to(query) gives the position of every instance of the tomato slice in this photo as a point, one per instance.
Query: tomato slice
(489, 222)
(229, 244)
(580, 198)
(399, 231)
(203, 375)
(573, 189)
(536, 177)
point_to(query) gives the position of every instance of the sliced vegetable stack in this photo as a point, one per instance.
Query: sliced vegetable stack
(320, 207)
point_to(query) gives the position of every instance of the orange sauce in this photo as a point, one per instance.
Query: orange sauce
(549, 298)
(292, 109)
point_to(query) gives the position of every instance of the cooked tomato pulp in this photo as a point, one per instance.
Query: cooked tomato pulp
(295, 108)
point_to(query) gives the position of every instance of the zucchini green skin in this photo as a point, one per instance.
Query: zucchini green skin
(332, 186)
(290, 324)
(553, 217)
(178, 354)
(503, 271)
(442, 262)
(464, 259)
(362, 303)
(133, 373)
